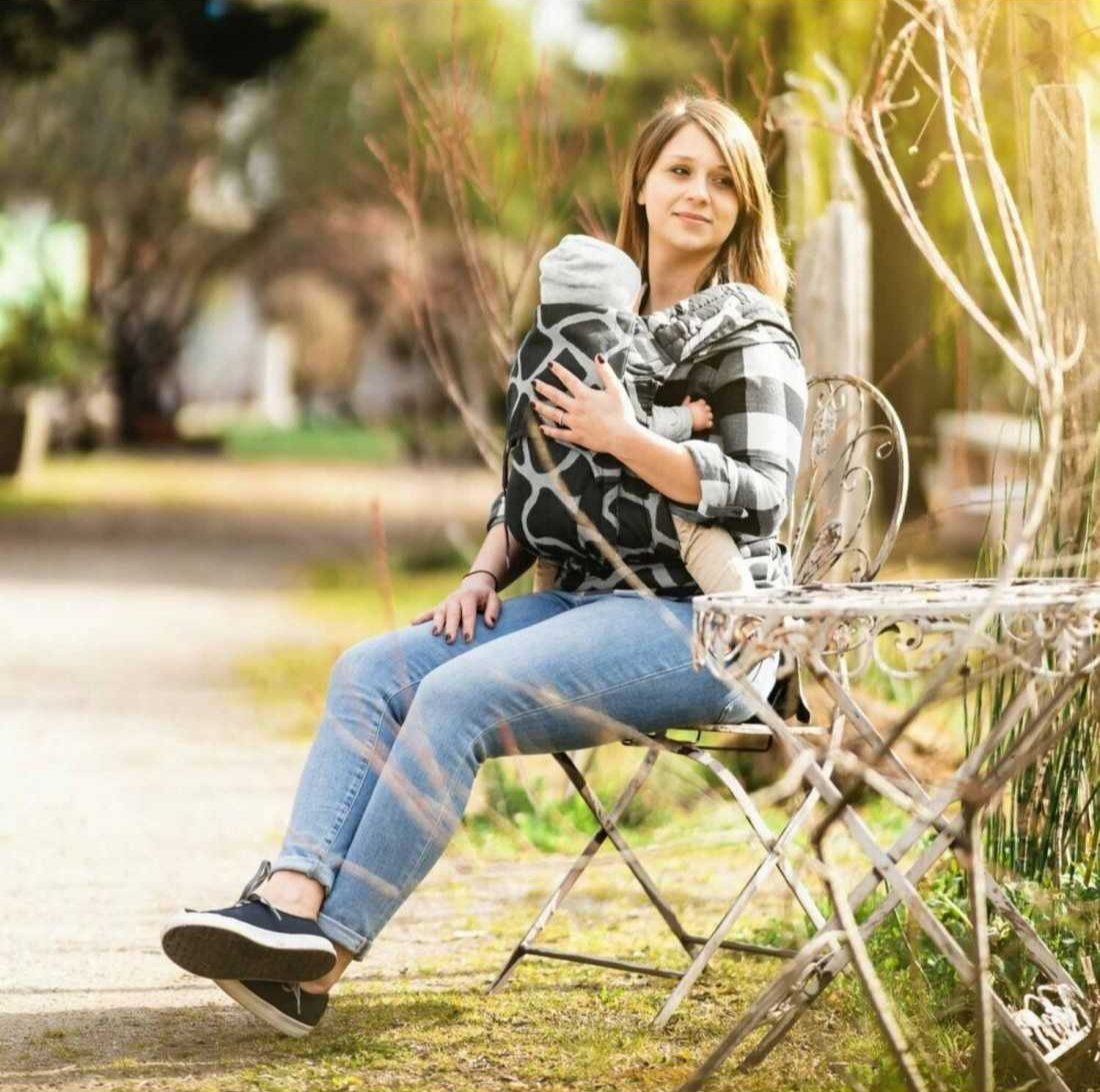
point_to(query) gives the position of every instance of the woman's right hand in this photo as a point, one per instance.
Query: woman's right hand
(475, 595)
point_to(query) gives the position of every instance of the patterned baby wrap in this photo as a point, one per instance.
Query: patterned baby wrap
(561, 500)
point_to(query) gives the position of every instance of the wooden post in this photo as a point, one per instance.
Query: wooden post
(832, 299)
(797, 164)
(1068, 254)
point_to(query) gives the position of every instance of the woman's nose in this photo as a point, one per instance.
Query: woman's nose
(698, 186)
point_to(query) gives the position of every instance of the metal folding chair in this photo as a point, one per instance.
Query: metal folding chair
(852, 426)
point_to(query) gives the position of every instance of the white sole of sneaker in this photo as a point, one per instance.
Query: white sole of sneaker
(214, 946)
(260, 1008)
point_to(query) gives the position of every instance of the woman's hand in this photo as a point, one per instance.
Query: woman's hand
(475, 595)
(595, 419)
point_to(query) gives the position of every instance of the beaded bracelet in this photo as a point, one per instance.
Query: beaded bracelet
(496, 583)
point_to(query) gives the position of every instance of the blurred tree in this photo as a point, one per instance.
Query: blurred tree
(119, 120)
(346, 85)
(502, 174)
(210, 45)
(738, 51)
(455, 110)
(111, 108)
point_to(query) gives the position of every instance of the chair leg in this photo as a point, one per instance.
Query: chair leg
(609, 825)
(774, 859)
(699, 949)
(776, 846)
(764, 833)
(579, 865)
(701, 953)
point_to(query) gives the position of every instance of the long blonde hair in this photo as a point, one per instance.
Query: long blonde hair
(752, 254)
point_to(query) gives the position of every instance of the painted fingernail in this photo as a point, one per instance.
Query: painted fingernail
(450, 639)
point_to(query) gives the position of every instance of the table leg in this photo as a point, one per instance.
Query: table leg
(790, 984)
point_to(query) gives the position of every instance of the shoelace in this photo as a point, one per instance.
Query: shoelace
(295, 989)
(250, 894)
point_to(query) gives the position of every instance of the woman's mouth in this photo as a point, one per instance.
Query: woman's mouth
(691, 219)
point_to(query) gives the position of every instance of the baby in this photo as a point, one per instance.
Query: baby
(583, 270)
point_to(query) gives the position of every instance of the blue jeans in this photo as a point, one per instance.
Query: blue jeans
(409, 720)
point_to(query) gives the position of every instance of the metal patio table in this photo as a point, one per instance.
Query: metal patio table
(1046, 634)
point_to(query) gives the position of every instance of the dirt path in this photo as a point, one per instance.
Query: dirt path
(130, 757)
(135, 779)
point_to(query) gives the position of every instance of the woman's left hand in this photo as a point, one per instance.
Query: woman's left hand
(593, 419)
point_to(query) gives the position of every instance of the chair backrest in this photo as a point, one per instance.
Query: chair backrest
(853, 438)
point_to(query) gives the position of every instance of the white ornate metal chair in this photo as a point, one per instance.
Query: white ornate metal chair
(852, 428)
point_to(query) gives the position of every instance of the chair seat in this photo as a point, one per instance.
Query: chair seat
(749, 736)
(786, 699)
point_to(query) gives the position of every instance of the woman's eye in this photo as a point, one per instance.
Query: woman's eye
(727, 182)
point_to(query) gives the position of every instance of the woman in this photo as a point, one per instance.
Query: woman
(412, 714)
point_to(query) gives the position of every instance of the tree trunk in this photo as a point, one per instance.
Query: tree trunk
(900, 321)
(143, 355)
(1068, 255)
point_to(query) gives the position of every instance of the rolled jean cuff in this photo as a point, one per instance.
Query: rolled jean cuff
(307, 866)
(340, 934)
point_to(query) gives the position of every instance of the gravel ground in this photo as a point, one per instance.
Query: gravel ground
(135, 777)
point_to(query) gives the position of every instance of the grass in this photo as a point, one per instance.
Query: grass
(1047, 827)
(328, 441)
(334, 506)
(554, 1028)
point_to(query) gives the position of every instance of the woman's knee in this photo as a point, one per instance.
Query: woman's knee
(354, 665)
(372, 666)
(450, 717)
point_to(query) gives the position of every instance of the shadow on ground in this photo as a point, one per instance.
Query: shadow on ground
(182, 1046)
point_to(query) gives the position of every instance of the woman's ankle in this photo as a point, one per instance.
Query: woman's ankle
(294, 893)
(326, 982)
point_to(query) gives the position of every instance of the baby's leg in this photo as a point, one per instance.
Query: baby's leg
(546, 575)
(712, 557)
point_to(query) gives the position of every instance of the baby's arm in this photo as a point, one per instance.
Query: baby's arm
(679, 422)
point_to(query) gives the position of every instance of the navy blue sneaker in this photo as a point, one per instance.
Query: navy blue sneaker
(283, 1005)
(250, 940)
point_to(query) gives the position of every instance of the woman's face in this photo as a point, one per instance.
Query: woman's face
(689, 196)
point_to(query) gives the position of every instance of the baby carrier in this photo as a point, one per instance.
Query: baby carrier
(562, 500)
